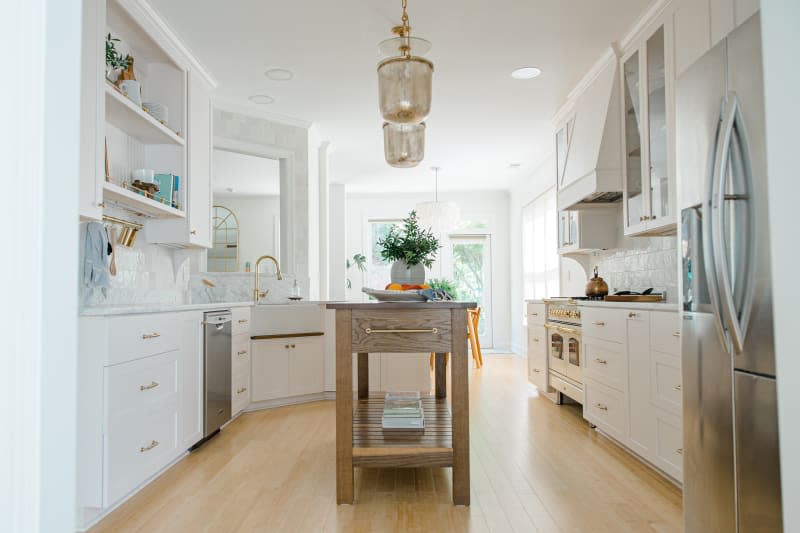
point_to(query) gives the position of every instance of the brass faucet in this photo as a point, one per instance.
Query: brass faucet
(257, 294)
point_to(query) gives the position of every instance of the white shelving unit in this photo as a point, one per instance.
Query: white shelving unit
(139, 204)
(123, 113)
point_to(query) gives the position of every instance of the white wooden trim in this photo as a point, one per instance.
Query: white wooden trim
(250, 110)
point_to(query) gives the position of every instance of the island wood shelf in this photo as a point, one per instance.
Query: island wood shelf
(400, 328)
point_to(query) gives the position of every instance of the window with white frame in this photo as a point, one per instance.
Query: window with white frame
(540, 261)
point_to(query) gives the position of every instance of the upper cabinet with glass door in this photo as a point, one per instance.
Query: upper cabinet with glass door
(649, 185)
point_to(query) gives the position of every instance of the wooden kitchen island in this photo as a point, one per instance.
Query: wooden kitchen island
(402, 327)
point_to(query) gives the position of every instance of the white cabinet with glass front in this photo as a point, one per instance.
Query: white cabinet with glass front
(648, 117)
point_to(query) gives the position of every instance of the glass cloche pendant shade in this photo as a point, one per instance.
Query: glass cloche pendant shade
(404, 144)
(405, 87)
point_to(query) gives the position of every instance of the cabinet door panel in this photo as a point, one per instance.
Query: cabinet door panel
(199, 183)
(306, 360)
(270, 372)
(744, 9)
(635, 206)
(642, 430)
(692, 32)
(722, 20)
(660, 182)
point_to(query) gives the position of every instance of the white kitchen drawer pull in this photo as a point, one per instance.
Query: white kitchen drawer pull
(149, 447)
(370, 331)
(599, 323)
(241, 352)
(242, 321)
(602, 407)
(146, 336)
(600, 361)
(153, 385)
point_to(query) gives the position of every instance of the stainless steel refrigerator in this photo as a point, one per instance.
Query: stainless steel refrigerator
(730, 427)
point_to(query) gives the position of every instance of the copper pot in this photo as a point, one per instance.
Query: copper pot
(596, 287)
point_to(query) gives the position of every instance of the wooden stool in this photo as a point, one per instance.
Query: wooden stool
(473, 318)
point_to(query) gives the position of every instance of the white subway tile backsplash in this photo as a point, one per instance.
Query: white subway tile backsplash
(642, 263)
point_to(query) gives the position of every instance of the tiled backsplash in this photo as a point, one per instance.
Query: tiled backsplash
(238, 287)
(642, 263)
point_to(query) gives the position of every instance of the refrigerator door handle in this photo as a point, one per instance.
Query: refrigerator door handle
(707, 232)
(732, 133)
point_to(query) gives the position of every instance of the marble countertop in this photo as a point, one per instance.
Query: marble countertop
(402, 305)
(645, 306)
(109, 310)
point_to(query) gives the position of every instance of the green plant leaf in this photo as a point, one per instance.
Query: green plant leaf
(411, 243)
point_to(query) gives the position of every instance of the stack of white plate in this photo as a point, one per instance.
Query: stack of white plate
(159, 111)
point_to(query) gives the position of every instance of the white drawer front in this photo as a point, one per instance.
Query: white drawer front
(137, 447)
(134, 337)
(537, 339)
(606, 363)
(142, 384)
(605, 408)
(536, 314)
(670, 444)
(665, 332)
(240, 354)
(567, 388)
(240, 392)
(241, 320)
(666, 387)
(606, 324)
(537, 370)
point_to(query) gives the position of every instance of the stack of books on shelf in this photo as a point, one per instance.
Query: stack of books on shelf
(403, 410)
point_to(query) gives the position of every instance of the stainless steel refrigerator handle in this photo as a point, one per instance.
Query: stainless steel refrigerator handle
(708, 248)
(722, 267)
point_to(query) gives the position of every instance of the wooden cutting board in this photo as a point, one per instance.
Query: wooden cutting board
(634, 298)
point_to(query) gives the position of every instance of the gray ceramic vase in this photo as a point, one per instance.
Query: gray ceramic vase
(404, 274)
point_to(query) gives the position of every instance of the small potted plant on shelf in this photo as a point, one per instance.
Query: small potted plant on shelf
(115, 61)
(412, 248)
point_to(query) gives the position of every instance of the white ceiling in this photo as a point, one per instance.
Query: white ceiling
(246, 175)
(481, 121)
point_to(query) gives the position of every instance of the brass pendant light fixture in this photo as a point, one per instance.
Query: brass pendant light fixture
(404, 88)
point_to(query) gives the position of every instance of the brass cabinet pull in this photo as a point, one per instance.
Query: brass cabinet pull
(676, 334)
(286, 346)
(149, 447)
(678, 387)
(561, 329)
(534, 314)
(153, 385)
(193, 232)
(146, 336)
(242, 321)
(601, 324)
(370, 331)
(600, 361)
(242, 352)
(679, 451)
(632, 315)
(537, 370)
(293, 346)
(602, 407)
(243, 389)
(535, 340)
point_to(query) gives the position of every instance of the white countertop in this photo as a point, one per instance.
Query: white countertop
(645, 306)
(108, 310)
(534, 301)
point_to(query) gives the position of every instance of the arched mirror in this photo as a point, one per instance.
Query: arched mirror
(224, 253)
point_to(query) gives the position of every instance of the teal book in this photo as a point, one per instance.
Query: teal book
(165, 186)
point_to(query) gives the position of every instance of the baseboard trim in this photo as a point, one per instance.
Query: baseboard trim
(641, 459)
(292, 400)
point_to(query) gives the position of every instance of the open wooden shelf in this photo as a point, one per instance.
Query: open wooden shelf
(374, 446)
(123, 113)
(141, 204)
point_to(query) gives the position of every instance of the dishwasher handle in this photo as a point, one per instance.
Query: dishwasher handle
(217, 320)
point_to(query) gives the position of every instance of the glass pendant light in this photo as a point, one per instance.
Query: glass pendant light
(404, 144)
(440, 217)
(405, 80)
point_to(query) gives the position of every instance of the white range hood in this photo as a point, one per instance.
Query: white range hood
(593, 168)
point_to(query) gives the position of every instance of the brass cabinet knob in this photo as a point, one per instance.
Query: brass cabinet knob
(600, 361)
(602, 407)
(632, 315)
(193, 232)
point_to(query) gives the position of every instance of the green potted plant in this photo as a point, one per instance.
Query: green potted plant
(359, 261)
(114, 60)
(445, 285)
(412, 248)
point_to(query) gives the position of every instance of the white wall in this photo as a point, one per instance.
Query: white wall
(337, 241)
(489, 205)
(259, 225)
(780, 20)
(527, 189)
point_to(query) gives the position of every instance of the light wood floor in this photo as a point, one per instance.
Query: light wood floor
(536, 467)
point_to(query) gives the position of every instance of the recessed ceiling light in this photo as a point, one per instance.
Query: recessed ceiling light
(514, 165)
(526, 73)
(261, 99)
(279, 74)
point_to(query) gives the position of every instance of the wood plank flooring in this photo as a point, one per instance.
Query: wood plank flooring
(535, 467)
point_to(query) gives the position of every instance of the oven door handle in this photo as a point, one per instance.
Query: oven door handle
(562, 329)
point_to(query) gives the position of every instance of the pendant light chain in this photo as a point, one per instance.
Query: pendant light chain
(405, 32)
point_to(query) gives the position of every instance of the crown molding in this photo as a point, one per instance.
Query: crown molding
(250, 110)
(145, 14)
(648, 18)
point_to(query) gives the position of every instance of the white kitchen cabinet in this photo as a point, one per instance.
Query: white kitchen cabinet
(587, 231)
(270, 369)
(744, 9)
(241, 360)
(605, 408)
(191, 374)
(606, 362)
(92, 141)
(722, 19)
(649, 190)
(669, 452)
(665, 382)
(306, 366)
(537, 355)
(195, 229)
(692, 23)
(641, 428)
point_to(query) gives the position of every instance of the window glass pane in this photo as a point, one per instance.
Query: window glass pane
(378, 270)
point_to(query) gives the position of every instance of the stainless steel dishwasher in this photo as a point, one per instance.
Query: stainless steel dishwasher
(217, 371)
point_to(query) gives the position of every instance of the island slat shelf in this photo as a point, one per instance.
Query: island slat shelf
(361, 440)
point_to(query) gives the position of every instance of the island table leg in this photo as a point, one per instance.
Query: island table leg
(459, 402)
(344, 407)
(363, 376)
(440, 371)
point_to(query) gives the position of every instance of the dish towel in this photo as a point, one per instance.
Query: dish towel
(95, 269)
